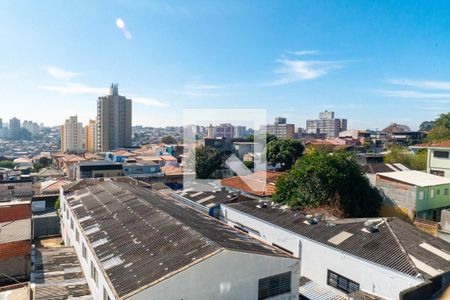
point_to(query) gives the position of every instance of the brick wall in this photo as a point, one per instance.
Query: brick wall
(15, 212)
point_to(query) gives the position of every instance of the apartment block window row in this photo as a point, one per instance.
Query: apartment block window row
(341, 283)
(441, 154)
(274, 285)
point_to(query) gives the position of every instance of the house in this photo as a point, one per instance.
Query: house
(23, 162)
(411, 194)
(120, 156)
(98, 168)
(371, 170)
(15, 241)
(384, 257)
(260, 184)
(134, 243)
(438, 159)
(16, 188)
(141, 169)
(169, 160)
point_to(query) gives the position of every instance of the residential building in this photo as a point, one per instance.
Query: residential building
(438, 160)
(16, 188)
(384, 257)
(31, 126)
(72, 136)
(14, 126)
(224, 131)
(371, 170)
(166, 249)
(326, 124)
(240, 131)
(411, 194)
(113, 121)
(90, 137)
(280, 128)
(15, 241)
(141, 169)
(97, 168)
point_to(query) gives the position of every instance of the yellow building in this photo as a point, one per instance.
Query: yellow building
(90, 131)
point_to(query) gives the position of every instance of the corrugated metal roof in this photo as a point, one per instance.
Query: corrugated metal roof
(151, 235)
(416, 178)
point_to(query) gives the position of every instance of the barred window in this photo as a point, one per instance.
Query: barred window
(341, 283)
(77, 235)
(105, 295)
(83, 249)
(274, 285)
(94, 274)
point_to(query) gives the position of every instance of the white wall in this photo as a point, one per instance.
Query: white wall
(226, 275)
(317, 258)
(69, 239)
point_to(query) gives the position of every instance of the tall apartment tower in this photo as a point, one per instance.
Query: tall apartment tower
(14, 126)
(90, 136)
(326, 125)
(113, 121)
(72, 136)
(280, 128)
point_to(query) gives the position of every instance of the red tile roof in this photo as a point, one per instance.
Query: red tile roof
(259, 186)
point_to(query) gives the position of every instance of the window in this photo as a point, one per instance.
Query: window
(446, 192)
(94, 274)
(431, 194)
(341, 283)
(71, 223)
(274, 285)
(77, 235)
(441, 154)
(421, 195)
(438, 191)
(438, 173)
(105, 295)
(83, 250)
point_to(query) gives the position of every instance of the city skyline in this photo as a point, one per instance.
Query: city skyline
(384, 63)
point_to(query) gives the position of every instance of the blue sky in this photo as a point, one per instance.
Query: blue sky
(372, 62)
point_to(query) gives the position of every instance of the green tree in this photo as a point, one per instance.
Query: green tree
(207, 160)
(249, 164)
(399, 154)
(168, 139)
(441, 129)
(334, 180)
(6, 164)
(284, 152)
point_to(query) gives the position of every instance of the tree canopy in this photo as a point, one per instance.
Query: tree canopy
(399, 154)
(334, 180)
(441, 129)
(207, 160)
(284, 152)
(168, 139)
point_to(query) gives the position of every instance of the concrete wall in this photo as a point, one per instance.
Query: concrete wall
(317, 259)
(226, 275)
(17, 267)
(399, 199)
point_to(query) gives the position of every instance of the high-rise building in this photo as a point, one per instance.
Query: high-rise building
(113, 121)
(224, 131)
(327, 125)
(280, 128)
(240, 131)
(210, 131)
(72, 136)
(14, 126)
(1, 123)
(31, 126)
(90, 136)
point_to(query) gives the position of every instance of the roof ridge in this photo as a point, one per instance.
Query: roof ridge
(388, 220)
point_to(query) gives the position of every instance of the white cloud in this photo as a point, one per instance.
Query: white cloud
(414, 94)
(198, 89)
(59, 73)
(75, 88)
(80, 88)
(150, 102)
(423, 84)
(306, 52)
(298, 70)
